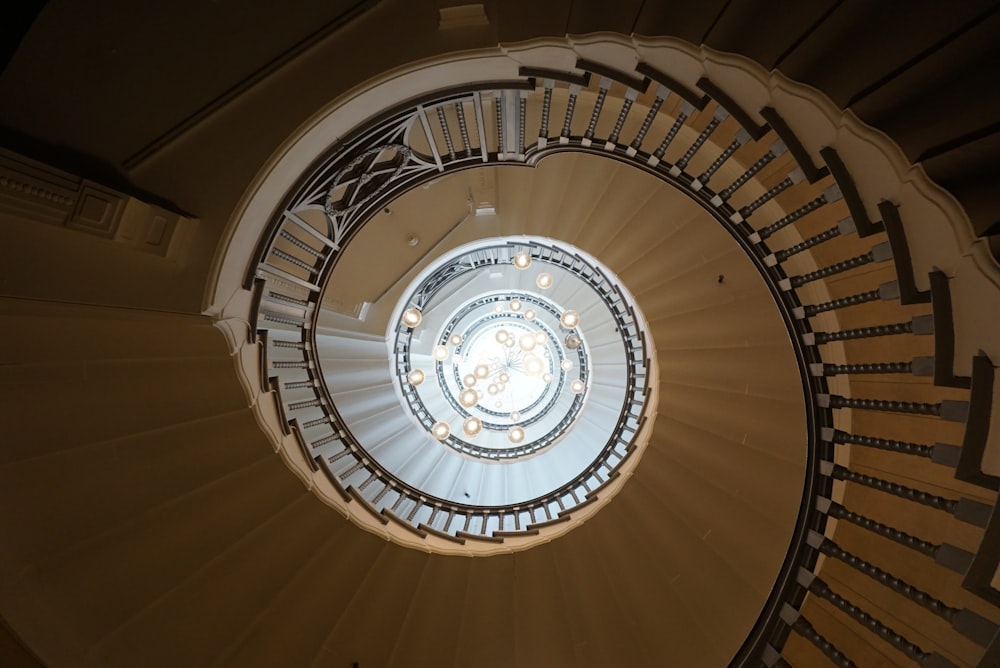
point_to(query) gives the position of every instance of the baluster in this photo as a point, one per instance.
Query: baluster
(962, 509)
(971, 625)
(919, 366)
(719, 115)
(685, 111)
(498, 104)
(777, 148)
(879, 253)
(543, 128)
(818, 587)
(446, 132)
(294, 260)
(522, 112)
(574, 92)
(295, 241)
(939, 453)
(661, 94)
(463, 128)
(919, 325)
(831, 194)
(801, 625)
(741, 138)
(794, 176)
(630, 97)
(842, 228)
(603, 85)
(944, 554)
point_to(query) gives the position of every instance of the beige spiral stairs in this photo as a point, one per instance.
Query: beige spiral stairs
(147, 519)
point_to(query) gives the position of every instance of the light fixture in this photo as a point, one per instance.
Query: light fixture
(504, 377)
(566, 365)
(533, 366)
(440, 353)
(472, 426)
(440, 430)
(515, 416)
(415, 377)
(577, 386)
(527, 342)
(544, 281)
(541, 338)
(493, 388)
(468, 398)
(522, 260)
(515, 304)
(573, 341)
(455, 339)
(502, 336)
(547, 377)
(469, 380)
(529, 314)
(515, 434)
(498, 308)
(412, 317)
(481, 371)
(569, 319)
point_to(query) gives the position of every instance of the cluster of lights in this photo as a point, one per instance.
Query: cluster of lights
(530, 363)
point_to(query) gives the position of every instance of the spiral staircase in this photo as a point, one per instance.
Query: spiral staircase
(191, 469)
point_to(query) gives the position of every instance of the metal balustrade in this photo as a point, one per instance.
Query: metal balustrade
(299, 255)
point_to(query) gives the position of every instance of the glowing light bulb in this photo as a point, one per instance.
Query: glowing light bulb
(577, 386)
(499, 403)
(566, 365)
(515, 416)
(504, 377)
(455, 339)
(415, 377)
(541, 338)
(533, 366)
(515, 305)
(481, 371)
(472, 426)
(529, 314)
(547, 377)
(544, 281)
(502, 336)
(515, 434)
(527, 342)
(440, 430)
(440, 353)
(498, 308)
(468, 398)
(412, 317)
(522, 260)
(492, 388)
(569, 319)
(469, 380)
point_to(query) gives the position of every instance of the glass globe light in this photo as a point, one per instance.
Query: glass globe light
(501, 387)
(412, 317)
(515, 416)
(547, 377)
(472, 426)
(569, 319)
(541, 338)
(468, 398)
(515, 304)
(504, 377)
(455, 339)
(440, 430)
(573, 342)
(515, 434)
(502, 336)
(510, 342)
(415, 377)
(499, 403)
(566, 365)
(469, 380)
(440, 353)
(544, 281)
(492, 388)
(522, 260)
(498, 308)
(527, 342)
(577, 386)
(533, 366)
(481, 371)
(529, 314)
